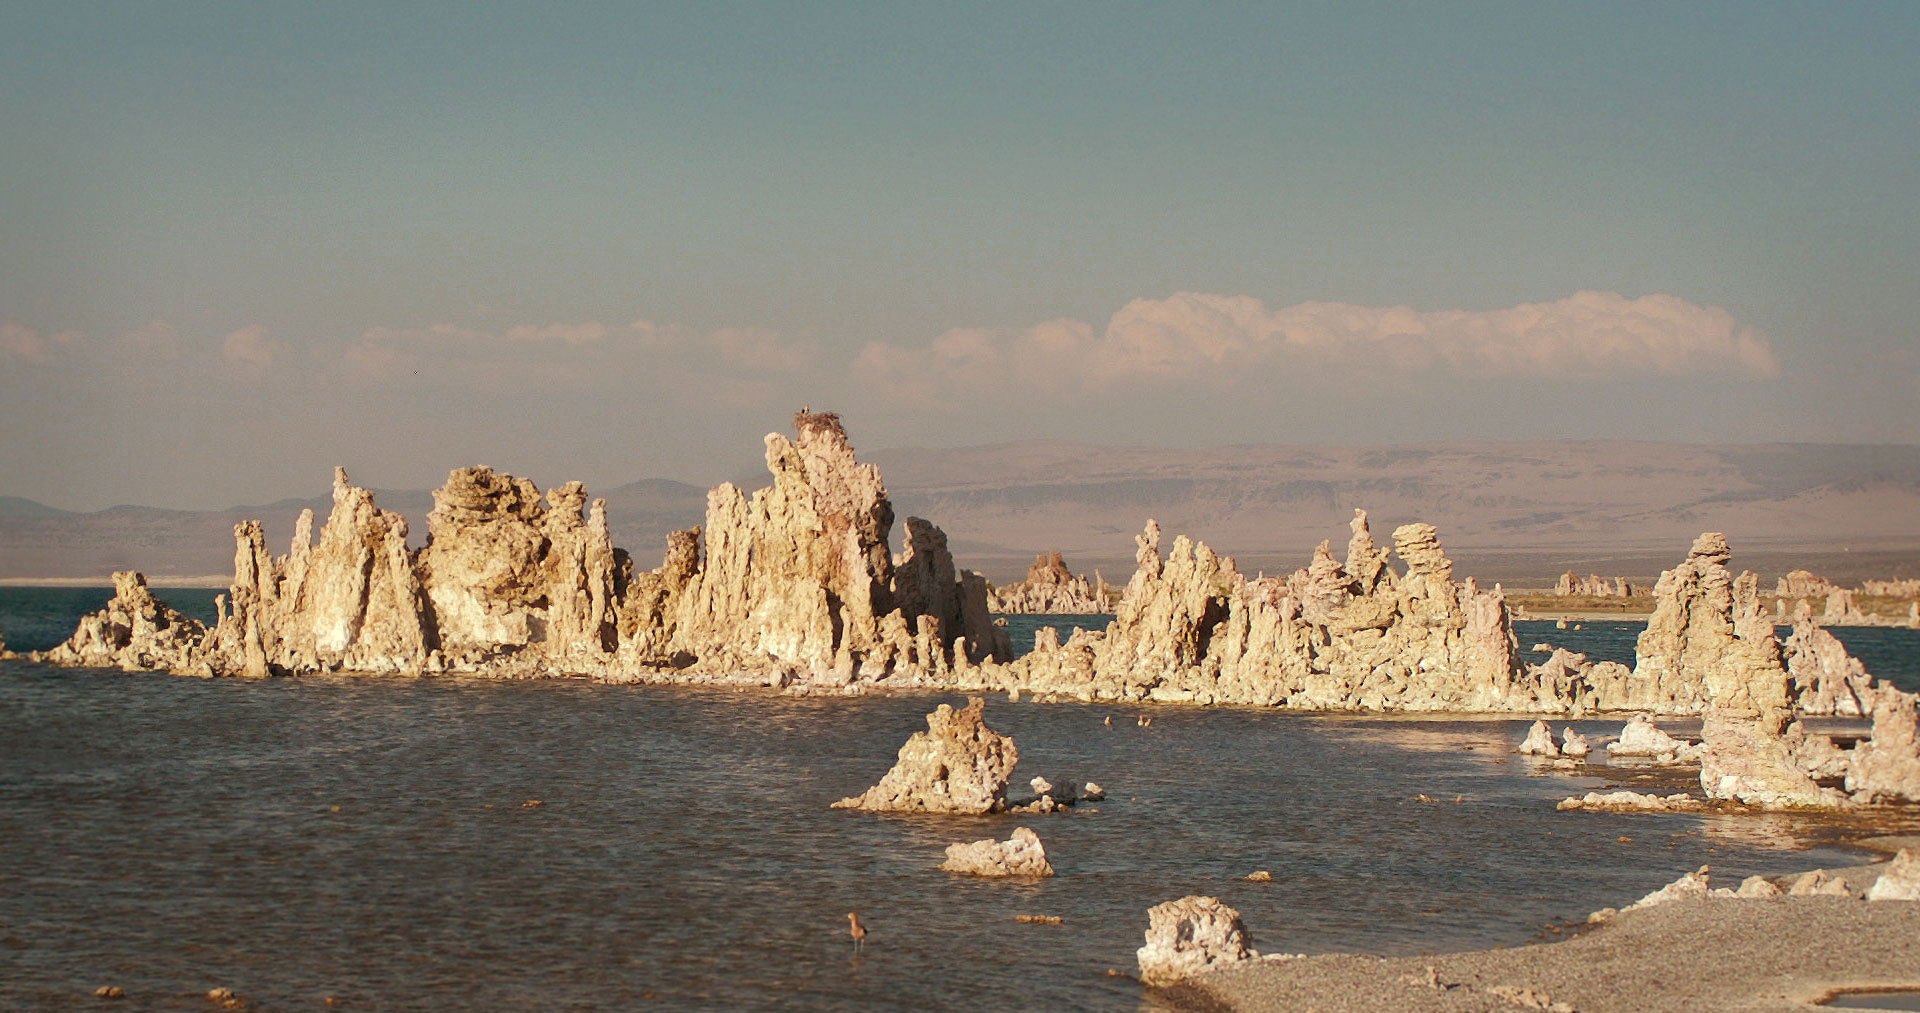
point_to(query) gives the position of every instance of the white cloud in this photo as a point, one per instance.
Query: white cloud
(18, 341)
(571, 334)
(249, 346)
(1198, 335)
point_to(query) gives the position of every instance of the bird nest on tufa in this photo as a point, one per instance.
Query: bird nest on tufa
(807, 421)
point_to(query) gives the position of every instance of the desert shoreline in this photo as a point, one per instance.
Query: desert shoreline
(1757, 954)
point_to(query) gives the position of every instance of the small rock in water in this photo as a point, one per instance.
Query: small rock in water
(1022, 855)
(1037, 919)
(1260, 876)
(1539, 741)
(532, 803)
(109, 992)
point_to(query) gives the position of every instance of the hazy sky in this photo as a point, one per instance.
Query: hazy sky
(242, 243)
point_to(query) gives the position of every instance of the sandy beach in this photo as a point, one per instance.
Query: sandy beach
(1775, 954)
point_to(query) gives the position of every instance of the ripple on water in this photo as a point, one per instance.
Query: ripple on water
(368, 838)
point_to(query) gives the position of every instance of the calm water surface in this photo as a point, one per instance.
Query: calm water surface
(368, 839)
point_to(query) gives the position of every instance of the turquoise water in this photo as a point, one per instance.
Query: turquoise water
(368, 839)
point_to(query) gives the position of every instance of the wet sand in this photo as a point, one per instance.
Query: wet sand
(1713, 954)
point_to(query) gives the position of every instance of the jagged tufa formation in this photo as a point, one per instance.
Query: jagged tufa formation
(795, 584)
(1052, 589)
(1357, 636)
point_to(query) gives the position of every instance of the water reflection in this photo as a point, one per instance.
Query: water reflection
(370, 838)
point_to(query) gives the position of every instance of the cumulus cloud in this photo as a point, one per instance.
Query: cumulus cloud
(21, 342)
(570, 334)
(249, 346)
(1196, 334)
(601, 349)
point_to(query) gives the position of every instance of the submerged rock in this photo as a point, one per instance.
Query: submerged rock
(1020, 855)
(1631, 801)
(958, 765)
(1191, 935)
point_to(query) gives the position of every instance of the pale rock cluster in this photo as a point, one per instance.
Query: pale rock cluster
(1803, 584)
(958, 765)
(1709, 649)
(1695, 886)
(1019, 856)
(1052, 589)
(1191, 935)
(1641, 739)
(1539, 740)
(1826, 679)
(1332, 636)
(795, 585)
(1899, 881)
(1631, 801)
(1593, 586)
(134, 632)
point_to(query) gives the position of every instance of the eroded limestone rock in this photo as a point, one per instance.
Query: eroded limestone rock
(1539, 740)
(1826, 679)
(1755, 760)
(1052, 589)
(1900, 881)
(795, 586)
(1641, 739)
(1191, 628)
(1886, 767)
(958, 765)
(1631, 801)
(1020, 855)
(1191, 935)
(1691, 886)
(134, 631)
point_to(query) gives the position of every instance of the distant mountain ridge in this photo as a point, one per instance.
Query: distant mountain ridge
(1586, 505)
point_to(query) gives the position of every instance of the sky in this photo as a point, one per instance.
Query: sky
(243, 243)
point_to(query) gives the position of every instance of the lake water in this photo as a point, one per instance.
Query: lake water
(370, 839)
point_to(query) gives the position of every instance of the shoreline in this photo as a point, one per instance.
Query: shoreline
(1771, 954)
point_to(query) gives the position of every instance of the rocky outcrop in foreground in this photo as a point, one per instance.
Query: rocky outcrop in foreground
(1052, 589)
(1019, 856)
(958, 765)
(1188, 936)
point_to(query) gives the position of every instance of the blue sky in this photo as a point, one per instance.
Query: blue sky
(242, 243)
